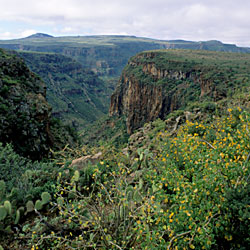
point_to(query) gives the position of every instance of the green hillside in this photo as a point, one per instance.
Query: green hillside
(107, 55)
(25, 115)
(77, 95)
(24, 112)
(179, 182)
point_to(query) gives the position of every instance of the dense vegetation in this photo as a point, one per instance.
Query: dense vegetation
(177, 183)
(184, 191)
(24, 112)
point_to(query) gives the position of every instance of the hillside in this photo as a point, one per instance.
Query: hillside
(107, 55)
(178, 183)
(77, 95)
(39, 35)
(25, 115)
(24, 110)
(156, 83)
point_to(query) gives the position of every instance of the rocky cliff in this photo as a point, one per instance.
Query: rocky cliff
(24, 111)
(155, 83)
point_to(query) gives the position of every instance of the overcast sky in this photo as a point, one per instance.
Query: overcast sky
(224, 20)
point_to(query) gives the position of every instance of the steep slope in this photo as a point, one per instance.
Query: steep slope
(155, 83)
(24, 111)
(183, 190)
(77, 95)
(25, 115)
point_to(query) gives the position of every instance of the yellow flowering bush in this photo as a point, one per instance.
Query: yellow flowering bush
(192, 192)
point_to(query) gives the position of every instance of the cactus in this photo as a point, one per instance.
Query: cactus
(123, 211)
(137, 196)
(46, 197)
(129, 193)
(3, 213)
(21, 210)
(29, 206)
(8, 229)
(7, 206)
(28, 197)
(140, 184)
(38, 205)
(17, 217)
(14, 195)
(2, 189)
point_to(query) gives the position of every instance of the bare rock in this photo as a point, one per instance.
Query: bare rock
(83, 161)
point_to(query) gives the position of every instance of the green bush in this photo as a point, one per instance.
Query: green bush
(13, 170)
(236, 212)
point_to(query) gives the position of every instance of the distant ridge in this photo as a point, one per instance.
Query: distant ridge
(39, 35)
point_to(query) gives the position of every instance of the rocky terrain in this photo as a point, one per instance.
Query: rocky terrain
(155, 83)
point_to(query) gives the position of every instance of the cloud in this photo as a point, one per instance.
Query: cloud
(26, 33)
(225, 20)
(7, 35)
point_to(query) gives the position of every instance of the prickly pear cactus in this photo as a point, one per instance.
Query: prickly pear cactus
(46, 197)
(3, 213)
(7, 206)
(38, 205)
(17, 216)
(29, 206)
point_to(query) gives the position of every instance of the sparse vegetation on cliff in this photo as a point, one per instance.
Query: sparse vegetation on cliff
(155, 83)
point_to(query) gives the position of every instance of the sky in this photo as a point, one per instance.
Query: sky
(224, 20)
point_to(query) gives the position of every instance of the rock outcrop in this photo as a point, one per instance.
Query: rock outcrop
(82, 162)
(138, 102)
(155, 83)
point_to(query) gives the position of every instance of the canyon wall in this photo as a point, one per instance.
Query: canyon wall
(155, 83)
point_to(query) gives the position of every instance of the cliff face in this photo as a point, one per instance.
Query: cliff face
(153, 84)
(24, 111)
(138, 102)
